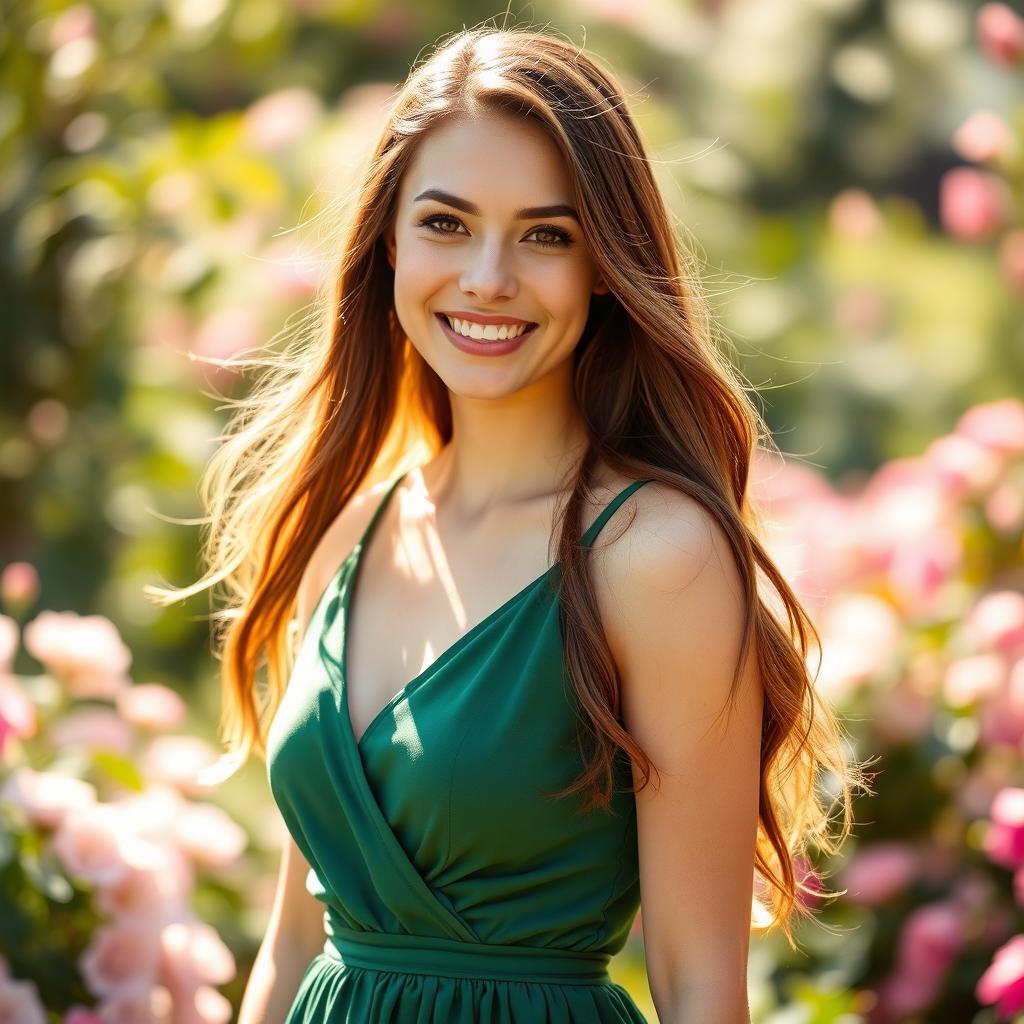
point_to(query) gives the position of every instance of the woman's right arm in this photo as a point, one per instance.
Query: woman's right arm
(295, 933)
(294, 936)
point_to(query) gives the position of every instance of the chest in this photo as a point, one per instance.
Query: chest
(404, 621)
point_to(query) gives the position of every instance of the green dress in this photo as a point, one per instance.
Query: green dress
(454, 891)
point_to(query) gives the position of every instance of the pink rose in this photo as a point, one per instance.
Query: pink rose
(46, 798)
(81, 1015)
(89, 843)
(151, 706)
(1003, 981)
(280, 118)
(973, 204)
(1004, 840)
(879, 872)
(8, 642)
(84, 652)
(1001, 33)
(997, 425)
(177, 761)
(208, 835)
(16, 709)
(996, 623)
(19, 585)
(983, 136)
(122, 956)
(932, 936)
(95, 728)
(973, 679)
(19, 1002)
(193, 954)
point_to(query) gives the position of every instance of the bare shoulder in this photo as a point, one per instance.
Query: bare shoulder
(663, 542)
(334, 547)
(672, 606)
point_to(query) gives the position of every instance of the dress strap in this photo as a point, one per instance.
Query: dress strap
(380, 508)
(609, 510)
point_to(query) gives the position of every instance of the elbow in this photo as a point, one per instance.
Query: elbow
(704, 1005)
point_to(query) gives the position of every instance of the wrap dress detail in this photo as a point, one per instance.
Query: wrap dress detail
(455, 891)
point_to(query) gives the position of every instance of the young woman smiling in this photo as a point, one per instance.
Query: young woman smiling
(488, 758)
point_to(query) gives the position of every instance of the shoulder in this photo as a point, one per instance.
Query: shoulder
(334, 547)
(672, 605)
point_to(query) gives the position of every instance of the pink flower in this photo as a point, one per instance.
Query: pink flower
(177, 761)
(281, 118)
(905, 993)
(932, 936)
(1004, 508)
(997, 425)
(193, 954)
(964, 466)
(1004, 841)
(142, 1006)
(879, 872)
(89, 843)
(207, 835)
(17, 712)
(1001, 717)
(973, 204)
(19, 585)
(154, 885)
(19, 1002)
(151, 706)
(854, 214)
(205, 1006)
(996, 623)
(972, 679)
(122, 956)
(1001, 33)
(1003, 982)
(46, 798)
(224, 333)
(85, 652)
(1011, 258)
(94, 728)
(81, 1015)
(983, 136)
(8, 642)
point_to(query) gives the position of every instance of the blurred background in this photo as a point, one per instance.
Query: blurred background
(850, 175)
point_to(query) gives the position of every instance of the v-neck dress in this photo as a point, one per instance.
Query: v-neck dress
(455, 890)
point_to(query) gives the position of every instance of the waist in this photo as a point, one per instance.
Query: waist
(419, 954)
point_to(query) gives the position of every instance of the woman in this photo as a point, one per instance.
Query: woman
(487, 759)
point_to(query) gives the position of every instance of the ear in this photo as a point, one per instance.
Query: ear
(389, 244)
(600, 288)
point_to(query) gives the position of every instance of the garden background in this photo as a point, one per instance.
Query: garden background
(851, 176)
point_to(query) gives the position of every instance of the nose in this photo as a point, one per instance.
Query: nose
(487, 275)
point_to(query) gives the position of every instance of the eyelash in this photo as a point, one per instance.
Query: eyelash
(564, 237)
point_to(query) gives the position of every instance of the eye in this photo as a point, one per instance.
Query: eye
(431, 222)
(562, 238)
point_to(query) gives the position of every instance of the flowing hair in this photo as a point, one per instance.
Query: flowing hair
(354, 403)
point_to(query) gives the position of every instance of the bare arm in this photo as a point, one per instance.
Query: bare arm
(672, 600)
(295, 932)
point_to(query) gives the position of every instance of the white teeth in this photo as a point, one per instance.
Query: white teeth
(490, 332)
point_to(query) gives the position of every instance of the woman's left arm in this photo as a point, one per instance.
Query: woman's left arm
(672, 602)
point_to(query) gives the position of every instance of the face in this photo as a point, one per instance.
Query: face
(465, 241)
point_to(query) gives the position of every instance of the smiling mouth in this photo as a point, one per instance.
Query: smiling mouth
(484, 332)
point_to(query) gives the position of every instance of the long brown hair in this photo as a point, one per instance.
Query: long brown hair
(354, 404)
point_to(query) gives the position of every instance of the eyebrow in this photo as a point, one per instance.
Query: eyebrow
(527, 213)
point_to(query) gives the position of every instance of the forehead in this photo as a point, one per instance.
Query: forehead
(495, 160)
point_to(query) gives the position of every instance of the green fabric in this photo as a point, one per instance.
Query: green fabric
(455, 892)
